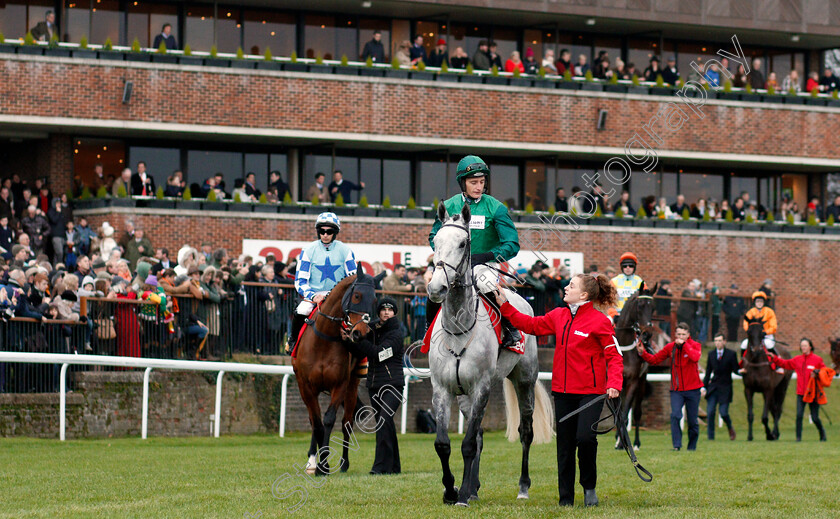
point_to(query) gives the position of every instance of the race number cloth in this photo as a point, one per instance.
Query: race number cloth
(495, 318)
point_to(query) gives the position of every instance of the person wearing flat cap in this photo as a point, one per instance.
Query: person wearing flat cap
(385, 381)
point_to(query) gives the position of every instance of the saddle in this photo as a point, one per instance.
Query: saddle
(495, 318)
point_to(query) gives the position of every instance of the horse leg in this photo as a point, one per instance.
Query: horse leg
(441, 403)
(637, 412)
(310, 399)
(748, 395)
(765, 416)
(464, 404)
(627, 396)
(347, 423)
(525, 394)
(329, 422)
(469, 447)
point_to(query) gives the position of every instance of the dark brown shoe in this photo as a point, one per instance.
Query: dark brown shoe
(732, 434)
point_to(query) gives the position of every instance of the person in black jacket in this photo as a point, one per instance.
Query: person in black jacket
(374, 49)
(720, 366)
(385, 382)
(734, 309)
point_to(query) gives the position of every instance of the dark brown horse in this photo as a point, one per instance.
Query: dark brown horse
(323, 364)
(835, 352)
(632, 324)
(759, 377)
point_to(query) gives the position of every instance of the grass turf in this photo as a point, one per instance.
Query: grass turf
(233, 476)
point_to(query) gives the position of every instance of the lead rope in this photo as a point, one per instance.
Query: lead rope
(614, 405)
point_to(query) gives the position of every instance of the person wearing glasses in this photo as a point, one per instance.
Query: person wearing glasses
(321, 265)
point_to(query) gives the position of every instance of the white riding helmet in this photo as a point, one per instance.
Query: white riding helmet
(329, 219)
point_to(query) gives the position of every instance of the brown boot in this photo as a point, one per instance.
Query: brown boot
(732, 434)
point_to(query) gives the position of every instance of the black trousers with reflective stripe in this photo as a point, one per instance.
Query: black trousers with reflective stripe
(576, 434)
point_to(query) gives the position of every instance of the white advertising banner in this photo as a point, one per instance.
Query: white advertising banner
(408, 255)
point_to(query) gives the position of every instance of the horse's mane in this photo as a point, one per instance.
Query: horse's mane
(340, 287)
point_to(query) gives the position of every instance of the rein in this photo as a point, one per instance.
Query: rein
(344, 322)
(458, 283)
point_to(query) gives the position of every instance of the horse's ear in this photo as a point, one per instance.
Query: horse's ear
(466, 215)
(655, 288)
(441, 212)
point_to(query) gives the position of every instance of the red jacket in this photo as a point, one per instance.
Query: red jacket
(684, 372)
(586, 360)
(803, 365)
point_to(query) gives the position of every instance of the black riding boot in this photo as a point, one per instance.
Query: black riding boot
(431, 311)
(297, 324)
(510, 335)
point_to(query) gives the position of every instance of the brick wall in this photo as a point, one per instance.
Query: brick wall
(803, 269)
(166, 94)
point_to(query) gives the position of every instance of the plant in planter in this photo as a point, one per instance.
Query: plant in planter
(293, 58)
(589, 77)
(240, 54)
(727, 86)
(791, 91)
(551, 210)
(288, 201)
(790, 219)
(363, 202)
(187, 50)
(567, 75)
(69, 194)
(686, 216)
(102, 192)
(83, 42)
(541, 72)
(395, 64)
(835, 95)
(211, 196)
(187, 196)
(750, 219)
(369, 62)
(516, 73)
(53, 44)
(660, 215)
(386, 203)
(28, 39)
(815, 93)
(121, 192)
(162, 47)
(529, 208)
(494, 71)
(636, 80)
(263, 198)
(598, 212)
(771, 218)
(339, 200)
(614, 79)
(680, 83)
(729, 218)
(421, 66)
(316, 200)
(237, 198)
(267, 55)
(641, 214)
(411, 204)
(707, 216)
(344, 60)
(771, 90)
(109, 45)
(812, 220)
(214, 52)
(135, 46)
(159, 193)
(830, 221)
(619, 214)
(435, 203)
(319, 60)
(748, 88)
(86, 195)
(660, 81)
(2, 37)
(444, 68)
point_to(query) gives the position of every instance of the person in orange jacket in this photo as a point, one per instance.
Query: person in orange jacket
(759, 310)
(806, 367)
(587, 364)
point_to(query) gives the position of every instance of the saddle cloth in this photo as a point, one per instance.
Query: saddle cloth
(495, 318)
(303, 329)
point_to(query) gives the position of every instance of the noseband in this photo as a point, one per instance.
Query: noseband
(345, 323)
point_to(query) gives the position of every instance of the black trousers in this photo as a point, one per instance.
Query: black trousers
(732, 325)
(575, 433)
(385, 405)
(815, 416)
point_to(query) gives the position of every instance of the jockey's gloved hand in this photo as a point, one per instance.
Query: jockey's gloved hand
(483, 257)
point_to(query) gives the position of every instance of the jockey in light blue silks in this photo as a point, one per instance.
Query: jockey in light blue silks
(321, 265)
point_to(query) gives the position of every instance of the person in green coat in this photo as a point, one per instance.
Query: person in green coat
(493, 235)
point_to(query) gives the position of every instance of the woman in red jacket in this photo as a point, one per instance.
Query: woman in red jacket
(805, 366)
(684, 353)
(587, 364)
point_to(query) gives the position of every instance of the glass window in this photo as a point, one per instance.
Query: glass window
(199, 28)
(37, 12)
(504, 184)
(781, 66)
(105, 21)
(506, 41)
(204, 164)
(643, 185)
(612, 46)
(430, 31)
(366, 28)
(228, 30)
(689, 52)
(467, 37)
(89, 152)
(145, 21)
(537, 191)
(581, 44)
(371, 173)
(765, 193)
(313, 164)
(76, 20)
(160, 162)
(701, 185)
(346, 38)
(13, 19)
(737, 185)
(396, 180)
(277, 31)
(256, 163)
(431, 177)
(534, 40)
(319, 36)
(402, 32)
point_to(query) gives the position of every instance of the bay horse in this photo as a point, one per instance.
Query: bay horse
(323, 364)
(465, 361)
(759, 377)
(835, 352)
(634, 323)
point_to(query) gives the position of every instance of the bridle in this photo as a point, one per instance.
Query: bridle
(344, 322)
(458, 283)
(637, 330)
(757, 353)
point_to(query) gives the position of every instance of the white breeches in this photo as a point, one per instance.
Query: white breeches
(306, 306)
(769, 342)
(486, 278)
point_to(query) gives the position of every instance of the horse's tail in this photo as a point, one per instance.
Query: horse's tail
(543, 413)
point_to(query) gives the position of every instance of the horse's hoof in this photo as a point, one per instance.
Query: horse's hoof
(523, 495)
(449, 498)
(322, 470)
(473, 497)
(345, 465)
(465, 505)
(636, 448)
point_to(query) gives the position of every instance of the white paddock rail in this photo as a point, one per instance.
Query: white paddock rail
(221, 367)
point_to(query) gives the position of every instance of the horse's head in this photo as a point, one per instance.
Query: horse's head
(358, 306)
(645, 306)
(452, 253)
(755, 334)
(835, 350)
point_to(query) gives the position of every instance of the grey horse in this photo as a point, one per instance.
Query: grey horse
(465, 362)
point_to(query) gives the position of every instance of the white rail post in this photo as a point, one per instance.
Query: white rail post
(145, 427)
(284, 388)
(217, 423)
(404, 412)
(62, 379)
(460, 422)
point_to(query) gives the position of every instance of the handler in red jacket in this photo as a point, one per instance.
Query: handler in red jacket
(804, 365)
(685, 382)
(587, 363)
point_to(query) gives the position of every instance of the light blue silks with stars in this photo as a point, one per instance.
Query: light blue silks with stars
(321, 267)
